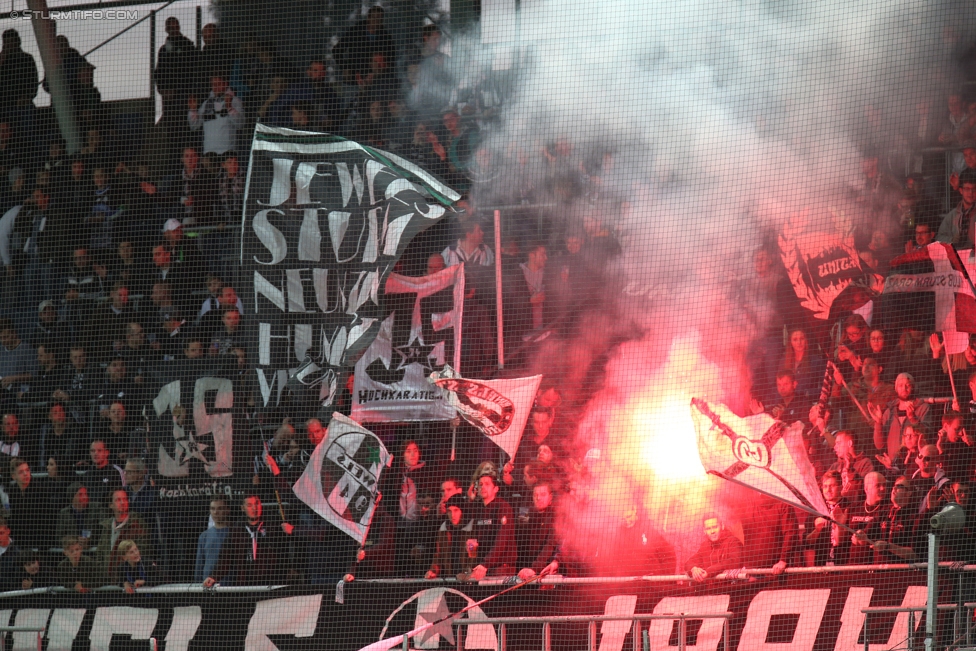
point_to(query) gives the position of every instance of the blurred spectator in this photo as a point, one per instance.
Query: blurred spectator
(78, 572)
(60, 438)
(470, 248)
(29, 517)
(826, 542)
(525, 310)
(177, 57)
(30, 574)
(9, 550)
(18, 360)
(10, 447)
(771, 534)
(103, 476)
(720, 551)
(955, 121)
(807, 369)
(901, 540)
(866, 518)
(904, 410)
(451, 556)
(217, 54)
(315, 90)
(416, 498)
(123, 525)
(930, 482)
(493, 532)
(538, 544)
(354, 51)
(252, 553)
(955, 448)
(220, 115)
(957, 225)
(80, 520)
(132, 572)
(212, 540)
(275, 110)
(851, 463)
(18, 79)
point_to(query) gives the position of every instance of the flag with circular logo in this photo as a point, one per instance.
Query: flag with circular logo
(342, 478)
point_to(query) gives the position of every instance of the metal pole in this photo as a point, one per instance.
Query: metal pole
(499, 317)
(547, 637)
(459, 638)
(635, 636)
(64, 111)
(502, 638)
(911, 632)
(866, 631)
(682, 633)
(932, 584)
(199, 27)
(152, 58)
(591, 637)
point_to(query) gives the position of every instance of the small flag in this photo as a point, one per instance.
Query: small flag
(342, 478)
(499, 408)
(758, 451)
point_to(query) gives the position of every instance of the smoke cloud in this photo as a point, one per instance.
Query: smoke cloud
(703, 127)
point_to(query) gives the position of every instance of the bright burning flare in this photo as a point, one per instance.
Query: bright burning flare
(669, 445)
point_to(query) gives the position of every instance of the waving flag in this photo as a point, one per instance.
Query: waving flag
(341, 481)
(758, 451)
(940, 294)
(498, 408)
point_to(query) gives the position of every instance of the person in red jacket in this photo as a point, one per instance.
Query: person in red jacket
(719, 552)
(493, 532)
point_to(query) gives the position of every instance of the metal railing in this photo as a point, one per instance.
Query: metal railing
(911, 610)
(21, 629)
(502, 624)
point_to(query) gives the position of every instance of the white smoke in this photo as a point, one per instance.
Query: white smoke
(722, 119)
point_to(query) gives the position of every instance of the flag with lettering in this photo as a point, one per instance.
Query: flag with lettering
(758, 451)
(421, 335)
(930, 289)
(341, 481)
(820, 260)
(498, 408)
(325, 219)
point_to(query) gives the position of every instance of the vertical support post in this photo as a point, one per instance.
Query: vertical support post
(502, 638)
(199, 27)
(591, 637)
(459, 637)
(635, 635)
(682, 633)
(406, 642)
(547, 637)
(51, 58)
(725, 634)
(911, 631)
(646, 639)
(866, 631)
(40, 641)
(931, 610)
(152, 58)
(152, 644)
(499, 317)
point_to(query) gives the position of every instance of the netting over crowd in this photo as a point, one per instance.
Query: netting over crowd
(143, 444)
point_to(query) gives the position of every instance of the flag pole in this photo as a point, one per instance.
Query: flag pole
(499, 317)
(843, 383)
(952, 380)
(797, 505)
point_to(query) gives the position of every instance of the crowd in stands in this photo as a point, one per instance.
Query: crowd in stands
(104, 289)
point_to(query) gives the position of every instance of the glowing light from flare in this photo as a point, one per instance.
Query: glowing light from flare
(669, 441)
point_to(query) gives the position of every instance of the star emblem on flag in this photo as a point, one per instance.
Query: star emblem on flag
(433, 614)
(415, 353)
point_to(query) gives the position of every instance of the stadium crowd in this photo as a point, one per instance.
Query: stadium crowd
(118, 266)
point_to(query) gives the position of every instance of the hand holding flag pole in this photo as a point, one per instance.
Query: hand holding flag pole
(838, 374)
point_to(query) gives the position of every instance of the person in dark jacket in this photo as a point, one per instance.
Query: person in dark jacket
(132, 572)
(18, 74)
(451, 556)
(252, 553)
(538, 542)
(770, 530)
(175, 63)
(719, 552)
(493, 531)
(30, 572)
(79, 572)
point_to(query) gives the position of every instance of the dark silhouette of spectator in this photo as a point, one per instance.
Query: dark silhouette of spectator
(176, 60)
(771, 533)
(538, 543)
(79, 572)
(451, 556)
(253, 553)
(354, 51)
(866, 518)
(18, 79)
(31, 573)
(80, 520)
(719, 552)
(493, 531)
(30, 518)
(123, 525)
(103, 476)
(323, 104)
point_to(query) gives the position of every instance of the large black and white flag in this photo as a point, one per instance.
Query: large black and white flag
(421, 335)
(341, 481)
(325, 219)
